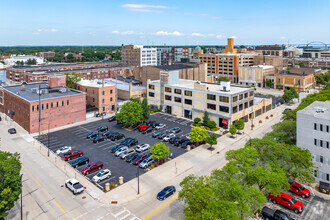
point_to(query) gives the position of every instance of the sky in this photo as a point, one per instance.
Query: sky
(157, 22)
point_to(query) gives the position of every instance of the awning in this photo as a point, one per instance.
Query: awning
(225, 121)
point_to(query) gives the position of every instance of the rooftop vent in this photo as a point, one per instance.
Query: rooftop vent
(225, 86)
(319, 110)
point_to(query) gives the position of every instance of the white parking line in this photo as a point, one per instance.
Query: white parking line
(102, 145)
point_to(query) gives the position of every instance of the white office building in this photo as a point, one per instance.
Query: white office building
(148, 56)
(13, 59)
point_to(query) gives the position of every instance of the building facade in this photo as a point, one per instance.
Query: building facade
(13, 59)
(301, 82)
(46, 55)
(169, 55)
(269, 60)
(254, 75)
(316, 53)
(313, 134)
(137, 55)
(308, 62)
(229, 48)
(273, 50)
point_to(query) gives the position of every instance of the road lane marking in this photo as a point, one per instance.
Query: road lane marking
(60, 206)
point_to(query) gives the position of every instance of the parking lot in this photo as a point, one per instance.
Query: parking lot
(76, 138)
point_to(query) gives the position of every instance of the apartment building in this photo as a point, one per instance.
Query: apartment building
(254, 75)
(225, 103)
(137, 55)
(169, 55)
(309, 62)
(313, 134)
(302, 82)
(273, 50)
(46, 55)
(316, 53)
(269, 60)
(23, 58)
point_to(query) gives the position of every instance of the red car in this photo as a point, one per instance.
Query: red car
(143, 127)
(297, 188)
(287, 201)
(73, 154)
(91, 167)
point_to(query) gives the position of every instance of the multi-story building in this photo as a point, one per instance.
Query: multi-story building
(46, 55)
(309, 62)
(51, 102)
(254, 75)
(169, 55)
(137, 55)
(101, 95)
(302, 82)
(316, 53)
(269, 60)
(273, 50)
(225, 103)
(313, 134)
(230, 46)
(226, 65)
(23, 58)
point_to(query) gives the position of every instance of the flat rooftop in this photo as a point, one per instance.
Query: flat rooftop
(294, 74)
(175, 67)
(96, 83)
(318, 109)
(124, 85)
(61, 64)
(30, 96)
(264, 66)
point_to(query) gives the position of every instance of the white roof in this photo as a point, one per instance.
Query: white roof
(264, 66)
(318, 109)
(124, 85)
(94, 83)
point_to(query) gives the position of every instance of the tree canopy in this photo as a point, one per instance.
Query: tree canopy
(233, 130)
(211, 139)
(206, 118)
(290, 94)
(197, 134)
(72, 79)
(145, 109)
(240, 125)
(159, 151)
(223, 78)
(130, 113)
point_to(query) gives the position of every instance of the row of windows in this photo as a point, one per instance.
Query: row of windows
(323, 176)
(321, 143)
(49, 105)
(241, 96)
(241, 106)
(321, 127)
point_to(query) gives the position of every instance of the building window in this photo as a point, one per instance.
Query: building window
(86, 89)
(321, 127)
(235, 99)
(93, 91)
(211, 97)
(102, 101)
(57, 104)
(93, 100)
(151, 94)
(240, 96)
(110, 91)
(67, 102)
(279, 80)
(321, 143)
(321, 159)
(47, 106)
(188, 101)
(168, 97)
(235, 109)
(177, 99)
(211, 106)
(240, 107)
(37, 107)
(102, 92)
(187, 93)
(246, 95)
(51, 105)
(328, 177)
(177, 91)
(167, 89)
(42, 106)
(224, 99)
(111, 99)
(223, 108)
(315, 142)
(246, 105)
(251, 103)
(152, 87)
(62, 103)
(328, 144)
(315, 126)
(251, 93)
(33, 108)
(327, 128)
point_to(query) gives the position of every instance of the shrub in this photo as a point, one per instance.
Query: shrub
(225, 132)
(211, 124)
(113, 185)
(200, 124)
(152, 166)
(197, 120)
(215, 129)
(207, 128)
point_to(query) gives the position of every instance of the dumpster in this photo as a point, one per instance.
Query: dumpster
(324, 187)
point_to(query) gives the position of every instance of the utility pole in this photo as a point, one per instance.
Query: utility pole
(39, 110)
(102, 97)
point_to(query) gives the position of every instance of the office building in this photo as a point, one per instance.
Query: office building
(269, 60)
(23, 58)
(316, 53)
(302, 82)
(323, 63)
(273, 50)
(229, 48)
(313, 134)
(46, 55)
(137, 55)
(254, 75)
(170, 55)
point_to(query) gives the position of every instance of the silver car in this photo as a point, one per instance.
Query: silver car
(142, 148)
(160, 126)
(126, 153)
(104, 174)
(146, 162)
(120, 150)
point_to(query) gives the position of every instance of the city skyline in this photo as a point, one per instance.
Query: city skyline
(162, 22)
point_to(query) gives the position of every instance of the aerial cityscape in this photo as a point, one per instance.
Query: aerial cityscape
(165, 110)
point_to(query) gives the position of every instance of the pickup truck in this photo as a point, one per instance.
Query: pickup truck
(74, 186)
(92, 167)
(269, 213)
(72, 154)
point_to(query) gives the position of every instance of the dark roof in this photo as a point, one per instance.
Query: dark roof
(61, 64)
(30, 96)
(128, 80)
(294, 74)
(73, 70)
(269, 47)
(174, 67)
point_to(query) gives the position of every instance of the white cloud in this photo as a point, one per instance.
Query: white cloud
(204, 15)
(197, 35)
(210, 35)
(165, 33)
(123, 32)
(234, 37)
(144, 7)
(219, 36)
(47, 30)
(282, 38)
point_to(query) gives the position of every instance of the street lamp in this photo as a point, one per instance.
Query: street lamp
(138, 179)
(22, 196)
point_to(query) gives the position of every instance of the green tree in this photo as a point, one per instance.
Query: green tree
(69, 58)
(10, 181)
(137, 100)
(197, 134)
(159, 151)
(206, 118)
(223, 78)
(72, 79)
(31, 62)
(233, 130)
(211, 124)
(146, 109)
(240, 125)
(197, 120)
(290, 94)
(211, 139)
(269, 83)
(301, 64)
(130, 113)
(284, 132)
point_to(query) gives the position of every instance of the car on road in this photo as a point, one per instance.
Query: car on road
(143, 127)
(12, 131)
(63, 150)
(160, 126)
(74, 186)
(168, 137)
(72, 154)
(140, 158)
(115, 148)
(161, 136)
(91, 167)
(132, 142)
(148, 130)
(298, 189)
(146, 162)
(92, 134)
(268, 213)
(117, 136)
(142, 147)
(131, 157)
(112, 118)
(120, 150)
(155, 134)
(80, 161)
(287, 201)
(287, 109)
(166, 192)
(102, 175)
(175, 130)
(179, 141)
(98, 139)
(126, 153)
(102, 128)
(185, 144)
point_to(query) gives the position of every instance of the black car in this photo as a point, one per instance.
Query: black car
(186, 143)
(132, 142)
(102, 128)
(106, 133)
(161, 136)
(179, 141)
(151, 123)
(117, 136)
(110, 133)
(115, 148)
(126, 140)
(268, 213)
(80, 161)
(148, 130)
(98, 139)
(131, 157)
(175, 130)
(173, 139)
(92, 134)
(166, 192)
(112, 118)
(12, 131)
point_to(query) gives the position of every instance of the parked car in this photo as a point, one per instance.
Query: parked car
(161, 136)
(155, 134)
(126, 140)
(160, 126)
(98, 139)
(92, 167)
(74, 186)
(287, 201)
(106, 133)
(143, 127)
(115, 148)
(168, 137)
(187, 143)
(135, 127)
(175, 130)
(132, 142)
(102, 128)
(151, 123)
(172, 140)
(112, 118)
(97, 115)
(92, 134)
(72, 154)
(117, 136)
(287, 109)
(126, 153)
(179, 141)
(100, 114)
(109, 134)
(142, 148)
(102, 175)
(132, 157)
(120, 150)
(12, 131)
(148, 130)
(63, 150)
(80, 161)
(140, 158)
(268, 213)
(146, 162)
(298, 189)
(166, 192)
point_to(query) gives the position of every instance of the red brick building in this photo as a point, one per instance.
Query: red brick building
(60, 105)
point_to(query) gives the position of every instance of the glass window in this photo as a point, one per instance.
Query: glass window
(57, 104)
(315, 142)
(321, 143)
(211, 97)
(111, 99)
(246, 95)
(246, 105)
(152, 87)
(151, 94)
(51, 104)
(224, 99)
(235, 109)
(167, 89)
(168, 97)
(42, 106)
(103, 101)
(321, 159)
(187, 93)
(251, 93)
(235, 99)
(177, 99)
(240, 96)
(67, 102)
(211, 106)
(177, 91)
(240, 107)
(33, 108)
(251, 103)
(321, 127)
(62, 103)
(47, 106)
(188, 101)
(110, 91)
(223, 108)
(327, 128)
(93, 100)
(315, 126)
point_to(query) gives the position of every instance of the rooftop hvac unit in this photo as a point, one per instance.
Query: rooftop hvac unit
(319, 110)
(44, 91)
(34, 90)
(62, 90)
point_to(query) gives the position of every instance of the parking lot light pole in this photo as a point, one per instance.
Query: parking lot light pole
(48, 140)
(138, 179)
